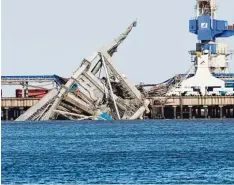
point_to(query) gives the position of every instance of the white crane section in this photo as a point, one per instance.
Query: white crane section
(202, 79)
(95, 96)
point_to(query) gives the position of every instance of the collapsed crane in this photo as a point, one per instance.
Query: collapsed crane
(95, 91)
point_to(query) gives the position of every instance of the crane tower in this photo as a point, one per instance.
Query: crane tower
(210, 57)
(208, 29)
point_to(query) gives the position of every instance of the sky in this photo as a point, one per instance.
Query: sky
(45, 37)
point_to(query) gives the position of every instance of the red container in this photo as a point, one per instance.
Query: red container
(32, 93)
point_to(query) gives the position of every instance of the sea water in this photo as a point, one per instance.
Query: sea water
(90, 152)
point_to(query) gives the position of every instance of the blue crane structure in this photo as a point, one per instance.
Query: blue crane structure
(206, 26)
(210, 71)
(208, 29)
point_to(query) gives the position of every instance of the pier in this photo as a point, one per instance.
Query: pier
(12, 108)
(193, 107)
(184, 107)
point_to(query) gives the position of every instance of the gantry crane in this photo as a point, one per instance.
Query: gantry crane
(109, 97)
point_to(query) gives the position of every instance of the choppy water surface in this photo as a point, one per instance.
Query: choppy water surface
(118, 152)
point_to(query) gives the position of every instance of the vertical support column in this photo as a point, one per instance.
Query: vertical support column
(21, 110)
(6, 113)
(228, 112)
(210, 112)
(221, 111)
(154, 112)
(162, 112)
(224, 112)
(190, 112)
(233, 111)
(17, 112)
(14, 113)
(174, 111)
(199, 112)
(213, 112)
(194, 112)
(2, 114)
(217, 110)
(181, 108)
(206, 111)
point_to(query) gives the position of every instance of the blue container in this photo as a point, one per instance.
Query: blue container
(104, 116)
